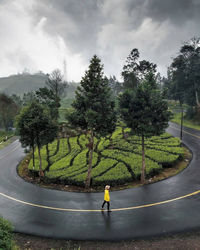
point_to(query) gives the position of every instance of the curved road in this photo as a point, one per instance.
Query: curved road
(168, 206)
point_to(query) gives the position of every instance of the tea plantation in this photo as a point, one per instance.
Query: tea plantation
(115, 160)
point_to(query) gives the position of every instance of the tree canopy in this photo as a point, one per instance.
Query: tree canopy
(135, 71)
(8, 110)
(46, 97)
(145, 111)
(57, 85)
(35, 127)
(185, 73)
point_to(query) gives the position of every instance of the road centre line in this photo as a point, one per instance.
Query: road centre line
(186, 132)
(99, 210)
(10, 152)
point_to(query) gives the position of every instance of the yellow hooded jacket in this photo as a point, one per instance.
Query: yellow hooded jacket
(106, 195)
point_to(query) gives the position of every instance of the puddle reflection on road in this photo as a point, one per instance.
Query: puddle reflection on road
(107, 219)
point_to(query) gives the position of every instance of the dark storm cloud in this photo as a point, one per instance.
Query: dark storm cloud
(177, 11)
(111, 28)
(78, 22)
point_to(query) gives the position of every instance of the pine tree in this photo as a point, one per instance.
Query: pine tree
(145, 112)
(93, 108)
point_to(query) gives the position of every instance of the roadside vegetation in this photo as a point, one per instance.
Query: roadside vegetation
(6, 236)
(5, 135)
(186, 122)
(182, 83)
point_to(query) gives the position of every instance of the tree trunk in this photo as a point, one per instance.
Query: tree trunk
(41, 172)
(4, 120)
(198, 106)
(143, 162)
(47, 151)
(197, 99)
(48, 156)
(57, 106)
(91, 148)
(33, 157)
(181, 134)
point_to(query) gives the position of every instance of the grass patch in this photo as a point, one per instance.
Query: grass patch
(186, 122)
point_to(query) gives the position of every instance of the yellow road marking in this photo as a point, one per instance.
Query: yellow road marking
(186, 132)
(10, 152)
(98, 210)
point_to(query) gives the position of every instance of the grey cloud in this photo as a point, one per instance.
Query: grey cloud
(5, 2)
(111, 28)
(78, 22)
(21, 58)
(178, 11)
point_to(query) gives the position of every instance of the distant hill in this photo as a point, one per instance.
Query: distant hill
(22, 83)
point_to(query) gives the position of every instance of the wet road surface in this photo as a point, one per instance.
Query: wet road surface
(173, 204)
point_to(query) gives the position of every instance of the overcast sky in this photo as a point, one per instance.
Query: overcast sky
(41, 34)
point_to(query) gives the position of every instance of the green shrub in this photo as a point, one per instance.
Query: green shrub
(117, 133)
(161, 157)
(54, 175)
(37, 164)
(79, 163)
(134, 161)
(79, 168)
(5, 234)
(115, 176)
(103, 166)
(62, 151)
(83, 141)
(65, 161)
(53, 147)
(103, 144)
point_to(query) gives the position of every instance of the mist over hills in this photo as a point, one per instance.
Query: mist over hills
(22, 83)
(25, 82)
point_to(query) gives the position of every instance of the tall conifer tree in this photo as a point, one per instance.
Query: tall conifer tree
(93, 108)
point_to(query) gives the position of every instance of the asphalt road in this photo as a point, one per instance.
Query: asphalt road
(166, 207)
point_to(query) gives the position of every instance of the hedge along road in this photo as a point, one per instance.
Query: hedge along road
(164, 207)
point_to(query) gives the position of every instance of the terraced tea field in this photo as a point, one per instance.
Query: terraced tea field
(115, 160)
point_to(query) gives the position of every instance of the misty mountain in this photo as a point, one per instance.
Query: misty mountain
(22, 83)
